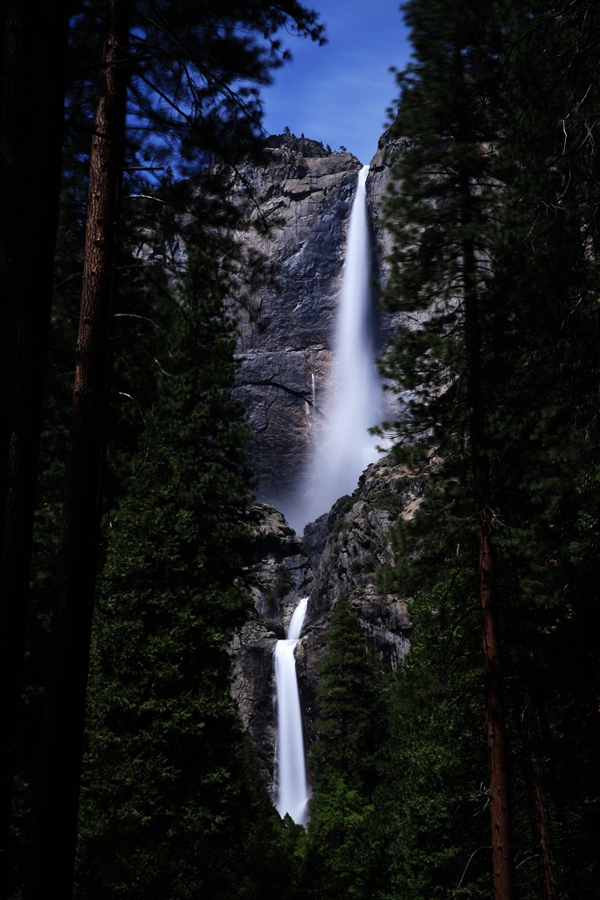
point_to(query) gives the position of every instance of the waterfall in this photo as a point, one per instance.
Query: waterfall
(353, 405)
(293, 793)
(354, 397)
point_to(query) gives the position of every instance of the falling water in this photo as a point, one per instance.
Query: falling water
(354, 398)
(352, 407)
(293, 792)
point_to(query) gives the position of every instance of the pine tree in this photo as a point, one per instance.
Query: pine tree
(441, 220)
(535, 384)
(542, 375)
(348, 701)
(544, 366)
(341, 850)
(165, 796)
(432, 801)
(62, 727)
(182, 67)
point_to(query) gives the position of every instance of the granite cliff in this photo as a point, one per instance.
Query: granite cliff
(299, 200)
(300, 196)
(341, 552)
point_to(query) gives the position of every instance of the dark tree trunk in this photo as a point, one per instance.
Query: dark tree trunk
(55, 809)
(541, 818)
(497, 755)
(498, 788)
(32, 66)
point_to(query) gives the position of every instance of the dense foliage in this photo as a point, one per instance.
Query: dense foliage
(170, 807)
(187, 93)
(340, 851)
(495, 273)
(494, 221)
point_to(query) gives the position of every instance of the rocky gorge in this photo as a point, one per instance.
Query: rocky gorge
(300, 198)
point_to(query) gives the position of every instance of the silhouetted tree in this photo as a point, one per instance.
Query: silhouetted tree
(440, 219)
(32, 72)
(183, 66)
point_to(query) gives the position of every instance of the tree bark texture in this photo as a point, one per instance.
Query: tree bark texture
(55, 809)
(496, 741)
(541, 818)
(33, 45)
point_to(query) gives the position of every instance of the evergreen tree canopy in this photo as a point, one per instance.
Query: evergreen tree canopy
(341, 850)
(194, 74)
(166, 791)
(494, 274)
(441, 212)
(349, 701)
(146, 85)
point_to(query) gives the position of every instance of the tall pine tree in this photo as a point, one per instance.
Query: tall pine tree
(167, 806)
(341, 851)
(193, 71)
(535, 383)
(441, 219)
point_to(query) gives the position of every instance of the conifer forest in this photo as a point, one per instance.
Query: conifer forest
(127, 500)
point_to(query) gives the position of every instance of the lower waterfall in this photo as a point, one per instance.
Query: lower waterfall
(293, 791)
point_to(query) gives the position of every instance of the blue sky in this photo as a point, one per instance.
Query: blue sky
(339, 93)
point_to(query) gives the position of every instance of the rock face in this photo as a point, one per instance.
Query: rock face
(354, 538)
(296, 205)
(380, 175)
(342, 552)
(282, 573)
(303, 193)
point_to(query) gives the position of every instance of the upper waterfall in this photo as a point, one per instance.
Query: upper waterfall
(353, 403)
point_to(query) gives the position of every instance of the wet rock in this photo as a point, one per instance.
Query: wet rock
(349, 546)
(280, 575)
(380, 175)
(356, 548)
(299, 198)
(303, 195)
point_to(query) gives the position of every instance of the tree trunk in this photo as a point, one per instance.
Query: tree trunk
(498, 788)
(57, 788)
(541, 818)
(33, 48)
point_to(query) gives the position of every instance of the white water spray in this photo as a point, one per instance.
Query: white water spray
(293, 794)
(354, 398)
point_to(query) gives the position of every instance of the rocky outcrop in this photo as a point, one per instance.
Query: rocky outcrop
(355, 543)
(289, 255)
(281, 574)
(378, 182)
(342, 552)
(302, 199)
